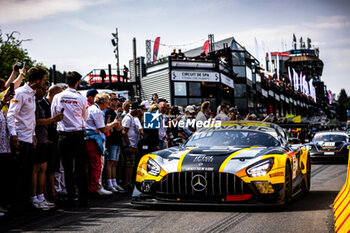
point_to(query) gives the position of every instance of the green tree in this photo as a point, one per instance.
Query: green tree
(11, 51)
(343, 104)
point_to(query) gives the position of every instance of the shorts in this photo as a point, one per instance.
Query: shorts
(130, 156)
(40, 153)
(112, 153)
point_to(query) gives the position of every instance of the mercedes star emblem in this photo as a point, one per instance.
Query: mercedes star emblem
(199, 183)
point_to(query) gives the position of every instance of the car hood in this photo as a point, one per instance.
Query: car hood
(329, 146)
(223, 159)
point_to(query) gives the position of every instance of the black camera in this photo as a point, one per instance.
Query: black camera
(19, 65)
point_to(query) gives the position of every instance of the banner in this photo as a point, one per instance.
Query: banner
(206, 47)
(278, 67)
(290, 77)
(256, 49)
(155, 49)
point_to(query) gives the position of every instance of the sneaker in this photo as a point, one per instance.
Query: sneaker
(40, 205)
(104, 192)
(113, 189)
(49, 204)
(119, 188)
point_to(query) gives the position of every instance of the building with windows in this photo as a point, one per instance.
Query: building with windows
(230, 74)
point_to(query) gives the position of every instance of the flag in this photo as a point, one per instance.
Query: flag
(278, 67)
(301, 87)
(295, 79)
(330, 97)
(256, 49)
(290, 77)
(206, 47)
(155, 49)
(264, 56)
(270, 60)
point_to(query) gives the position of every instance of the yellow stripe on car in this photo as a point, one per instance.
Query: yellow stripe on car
(223, 165)
(182, 159)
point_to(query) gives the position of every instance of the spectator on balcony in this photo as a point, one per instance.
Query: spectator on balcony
(125, 72)
(173, 54)
(203, 55)
(180, 54)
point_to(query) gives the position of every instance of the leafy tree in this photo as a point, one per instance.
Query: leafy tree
(344, 104)
(11, 51)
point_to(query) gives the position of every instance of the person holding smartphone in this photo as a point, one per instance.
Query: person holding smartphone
(21, 125)
(18, 72)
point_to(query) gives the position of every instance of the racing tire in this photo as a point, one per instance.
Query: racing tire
(288, 186)
(307, 181)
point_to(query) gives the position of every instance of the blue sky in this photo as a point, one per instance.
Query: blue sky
(76, 34)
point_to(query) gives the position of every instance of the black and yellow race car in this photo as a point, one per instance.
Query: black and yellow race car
(238, 163)
(329, 144)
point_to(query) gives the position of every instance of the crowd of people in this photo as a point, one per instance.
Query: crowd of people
(58, 146)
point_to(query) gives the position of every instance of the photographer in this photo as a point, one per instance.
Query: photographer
(4, 85)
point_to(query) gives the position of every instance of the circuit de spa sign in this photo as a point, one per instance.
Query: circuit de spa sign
(193, 76)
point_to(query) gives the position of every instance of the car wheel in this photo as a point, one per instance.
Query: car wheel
(288, 186)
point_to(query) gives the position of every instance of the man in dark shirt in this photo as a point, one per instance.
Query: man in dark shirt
(53, 160)
(113, 146)
(40, 159)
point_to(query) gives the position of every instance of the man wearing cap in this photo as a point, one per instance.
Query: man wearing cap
(131, 136)
(90, 96)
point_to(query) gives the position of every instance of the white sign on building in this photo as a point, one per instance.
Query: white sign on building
(227, 81)
(199, 76)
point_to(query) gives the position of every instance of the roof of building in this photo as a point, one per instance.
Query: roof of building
(303, 58)
(217, 45)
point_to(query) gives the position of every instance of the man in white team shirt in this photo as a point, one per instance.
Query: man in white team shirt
(21, 125)
(222, 116)
(71, 142)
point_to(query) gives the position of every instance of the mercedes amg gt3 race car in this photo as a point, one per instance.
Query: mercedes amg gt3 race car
(329, 144)
(238, 163)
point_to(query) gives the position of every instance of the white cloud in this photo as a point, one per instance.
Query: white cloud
(330, 22)
(88, 27)
(23, 10)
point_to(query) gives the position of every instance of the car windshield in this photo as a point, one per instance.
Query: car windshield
(231, 138)
(329, 138)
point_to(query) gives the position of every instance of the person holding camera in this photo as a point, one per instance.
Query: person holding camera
(21, 125)
(12, 83)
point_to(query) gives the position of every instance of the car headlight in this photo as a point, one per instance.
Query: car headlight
(260, 168)
(153, 168)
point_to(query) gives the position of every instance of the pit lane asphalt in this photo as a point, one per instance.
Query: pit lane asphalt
(311, 213)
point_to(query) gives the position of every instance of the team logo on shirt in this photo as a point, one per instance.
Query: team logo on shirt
(69, 101)
(151, 120)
